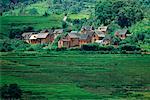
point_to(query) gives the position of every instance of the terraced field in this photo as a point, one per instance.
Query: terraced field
(63, 75)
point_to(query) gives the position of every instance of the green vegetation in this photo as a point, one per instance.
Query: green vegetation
(13, 45)
(25, 8)
(11, 92)
(66, 75)
(46, 72)
(124, 12)
(10, 23)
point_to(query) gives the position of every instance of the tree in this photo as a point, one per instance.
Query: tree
(141, 36)
(33, 11)
(103, 11)
(12, 91)
(124, 12)
(129, 15)
(46, 14)
(64, 25)
(116, 41)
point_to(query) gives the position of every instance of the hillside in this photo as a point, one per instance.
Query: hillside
(39, 7)
(19, 23)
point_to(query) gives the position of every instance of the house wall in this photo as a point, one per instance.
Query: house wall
(96, 37)
(123, 36)
(60, 44)
(35, 41)
(106, 42)
(63, 44)
(45, 40)
(74, 42)
(52, 38)
(81, 42)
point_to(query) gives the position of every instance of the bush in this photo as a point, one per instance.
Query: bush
(61, 49)
(36, 47)
(74, 49)
(12, 44)
(96, 47)
(129, 47)
(90, 47)
(10, 92)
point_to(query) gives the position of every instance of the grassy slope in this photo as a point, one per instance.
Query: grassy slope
(14, 22)
(43, 6)
(76, 76)
(40, 6)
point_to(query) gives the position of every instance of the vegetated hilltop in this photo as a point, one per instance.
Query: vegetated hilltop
(39, 7)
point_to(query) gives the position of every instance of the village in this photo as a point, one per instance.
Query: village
(86, 35)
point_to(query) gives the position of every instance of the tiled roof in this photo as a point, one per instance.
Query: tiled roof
(88, 28)
(107, 37)
(84, 36)
(42, 35)
(27, 35)
(100, 34)
(74, 32)
(58, 31)
(71, 35)
(123, 31)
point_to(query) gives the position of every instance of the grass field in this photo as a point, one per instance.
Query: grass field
(37, 22)
(79, 16)
(57, 76)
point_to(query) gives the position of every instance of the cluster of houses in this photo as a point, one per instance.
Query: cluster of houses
(43, 37)
(86, 35)
(90, 35)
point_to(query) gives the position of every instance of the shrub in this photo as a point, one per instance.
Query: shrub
(10, 92)
(61, 49)
(96, 47)
(12, 44)
(90, 47)
(36, 47)
(129, 47)
(74, 49)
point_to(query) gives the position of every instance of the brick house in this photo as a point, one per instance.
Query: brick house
(74, 39)
(85, 29)
(33, 39)
(44, 38)
(70, 40)
(26, 36)
(63, 43)
(107, 40)
(98, 36)
(57, 32)
(41, 38)
(122, 34)
(84, 39)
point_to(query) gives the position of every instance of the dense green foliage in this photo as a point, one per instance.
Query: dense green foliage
(12, 91)
(39, 7)
(13, 44)
(77, 75)
(96, 47)
(124, 12)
